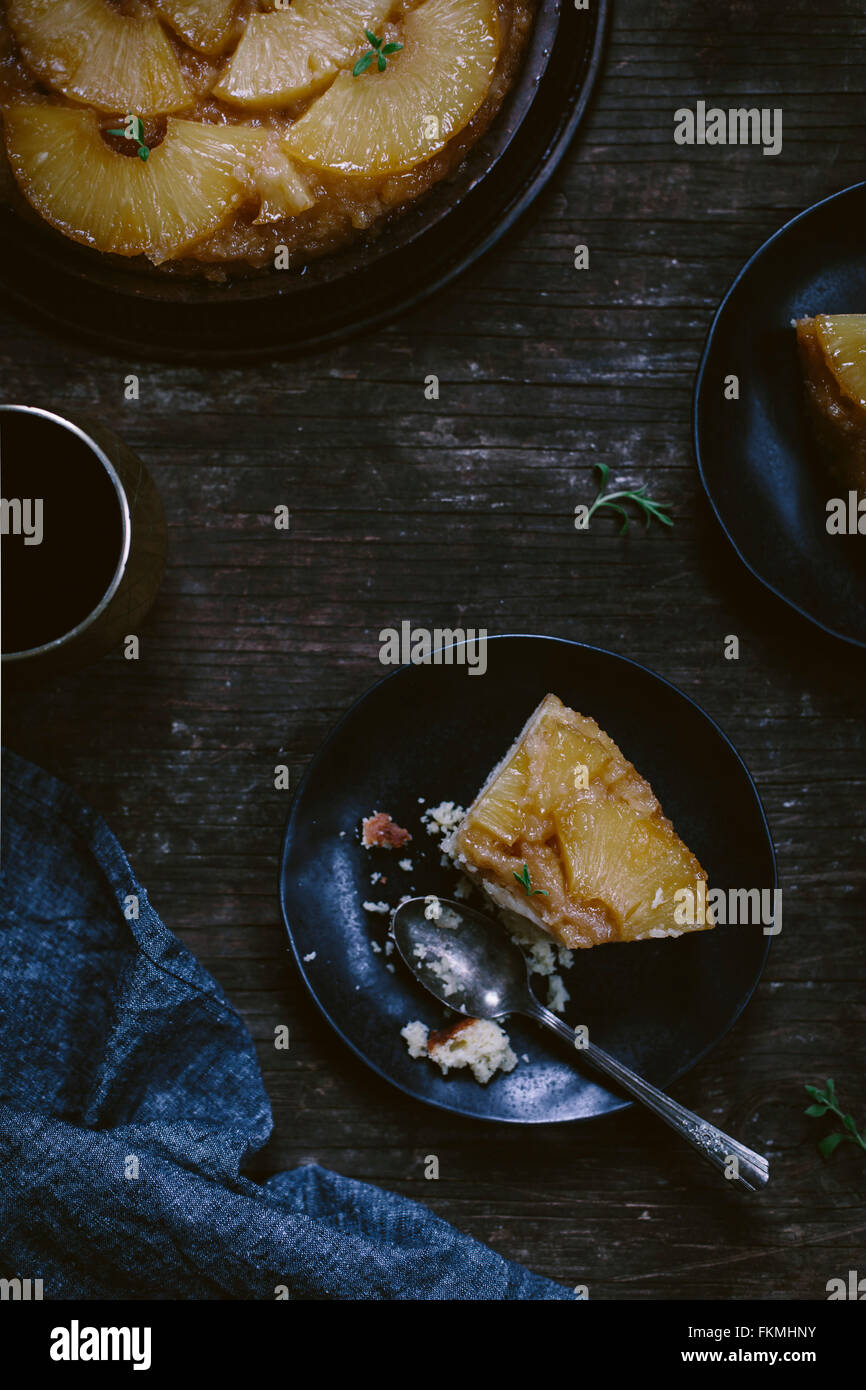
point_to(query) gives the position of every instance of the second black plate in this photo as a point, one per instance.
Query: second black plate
(756, 456)
(435, 732)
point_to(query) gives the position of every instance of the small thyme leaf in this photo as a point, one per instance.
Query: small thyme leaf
(526, 883)
(134, 130)
(379, 51)
(653, 511)
(615, 507)
(830, 1143)
(828, 1101)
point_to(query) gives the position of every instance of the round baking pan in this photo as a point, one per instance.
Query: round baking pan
(114, 305)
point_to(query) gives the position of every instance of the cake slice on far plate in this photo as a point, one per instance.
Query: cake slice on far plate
(832, 350)
(567, 835)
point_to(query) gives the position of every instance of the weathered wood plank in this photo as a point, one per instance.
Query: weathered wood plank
(259, 642)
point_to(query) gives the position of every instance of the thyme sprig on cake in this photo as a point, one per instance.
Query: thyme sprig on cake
(380, 50)
(526, 883)
(827, 1102)
(652, 510)
(134, 130)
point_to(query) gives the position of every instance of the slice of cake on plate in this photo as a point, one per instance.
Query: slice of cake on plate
(832, 350)
(567, 836)
(477, 1043)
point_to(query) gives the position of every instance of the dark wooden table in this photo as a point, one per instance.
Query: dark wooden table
(461, 510)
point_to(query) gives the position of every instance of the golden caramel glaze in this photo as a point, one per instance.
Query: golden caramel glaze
(439, 1036)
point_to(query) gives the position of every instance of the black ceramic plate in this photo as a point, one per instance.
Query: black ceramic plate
(435, 732)
(367, 284)
(756, 455)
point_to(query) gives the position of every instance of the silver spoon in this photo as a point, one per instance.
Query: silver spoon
(469, 962)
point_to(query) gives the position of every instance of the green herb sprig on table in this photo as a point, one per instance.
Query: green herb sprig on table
(134, 130)
(525, 882)
(380, 50)
(827, 1102)
(652, 510)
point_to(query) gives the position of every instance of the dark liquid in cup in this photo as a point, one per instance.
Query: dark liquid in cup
(51, 587)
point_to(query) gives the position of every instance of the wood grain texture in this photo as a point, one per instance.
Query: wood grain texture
(461, 510)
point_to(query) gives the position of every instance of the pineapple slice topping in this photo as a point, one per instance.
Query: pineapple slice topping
(631, 865)
(186, 190)
(832, 350)
(206, 25)
(843, 340)
(292, 54)
(387, 122)
(93, 54)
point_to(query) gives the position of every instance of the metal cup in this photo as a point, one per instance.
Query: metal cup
(140, 559)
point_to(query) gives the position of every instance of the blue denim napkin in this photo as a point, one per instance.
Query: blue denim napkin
(130, 1098)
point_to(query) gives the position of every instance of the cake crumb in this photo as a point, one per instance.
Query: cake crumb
(557, 995)
(406, 865)
(379, 831)
(477, 1043)
(382, 908)
(416, 1034)
(446, 816)
(311, 956)
(440, 964)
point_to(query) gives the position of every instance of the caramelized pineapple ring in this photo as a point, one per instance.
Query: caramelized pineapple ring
(204, 24)
(843, 340)
(291, 54)
(832, 351)
(188, 187)
(91, 53)
(387, 122)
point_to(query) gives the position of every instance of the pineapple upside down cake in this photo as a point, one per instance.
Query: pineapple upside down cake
(832, 351)
(567, 835)
(207, 134)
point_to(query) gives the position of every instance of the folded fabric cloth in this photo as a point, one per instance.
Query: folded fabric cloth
(130, 1098)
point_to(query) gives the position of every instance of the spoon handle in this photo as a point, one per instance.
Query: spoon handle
(742, 1166)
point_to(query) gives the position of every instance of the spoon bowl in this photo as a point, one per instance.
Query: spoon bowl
(463, 957)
